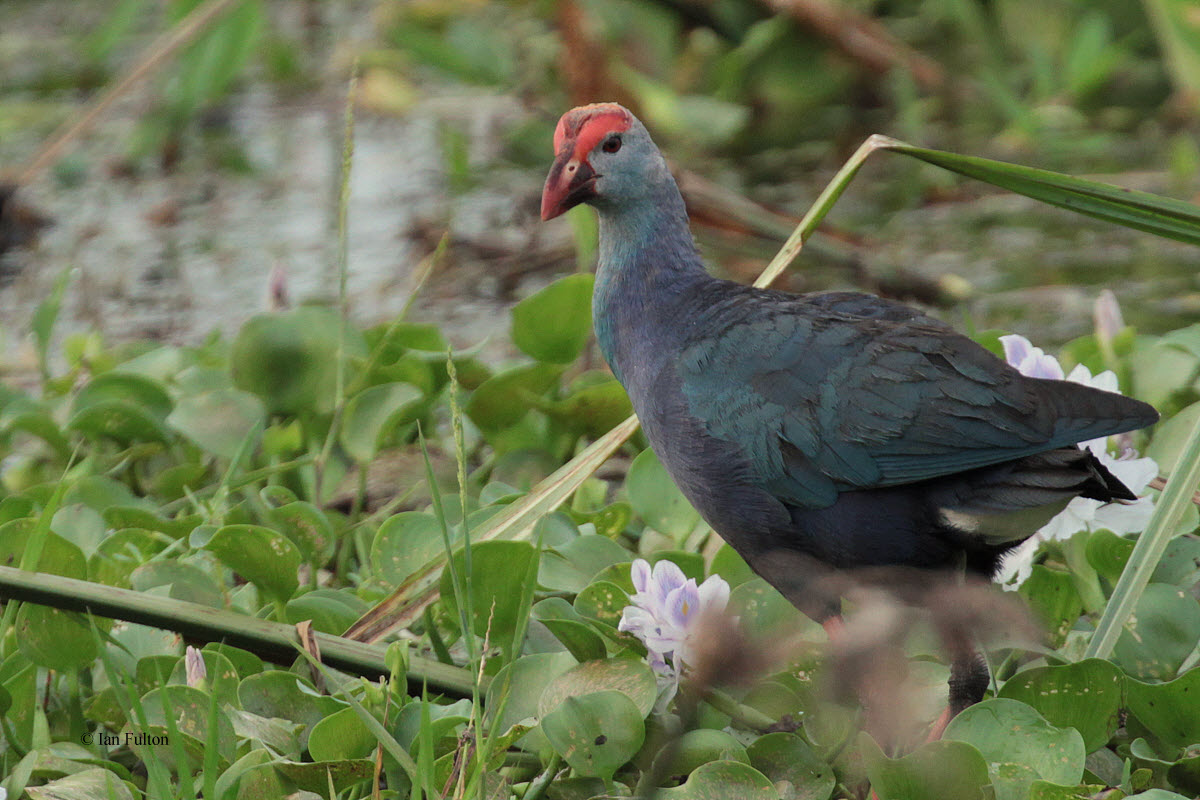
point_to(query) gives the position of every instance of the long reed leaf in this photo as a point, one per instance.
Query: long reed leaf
(1162, 216)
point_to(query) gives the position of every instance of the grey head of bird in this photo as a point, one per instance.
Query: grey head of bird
(604, 157)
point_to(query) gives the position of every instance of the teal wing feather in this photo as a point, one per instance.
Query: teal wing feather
(828, 393)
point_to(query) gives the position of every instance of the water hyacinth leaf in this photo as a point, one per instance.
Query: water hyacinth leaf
(122, 552)
(118, 420)
(330, 610)
(1085, 696)
(695, 748)
(276, 693)
(1169, 710)
(569, 628)
(309, 528)
(1053, 599)
(731, 566)
(595, 733)
(219, 421)
(786, 757)
(497, 608)
(1180, 563)
(554, 324)
(570, 567)
(404, 543)
(187, 581)
(1170, 436)
(583, 643)
(935, 771)
(718, 780)
(124, 387)
(502, 400)
(1020, 745)
(81, 525)
(40, 424)
(56, 639)
(87, 784)
(189, 710)
(593, 409)
(1160, 634)
(339, 736)
(58, 556)
(372, 414)
(1044, 790)
(764, 611)
(290, 358)
(1185, 774)
(522, 682)
(263, 556)
(602, 601)
(1108, 553)
(610, 521)
(656, 498)
(631, 677)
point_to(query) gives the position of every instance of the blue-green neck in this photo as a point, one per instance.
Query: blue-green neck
(647, 261)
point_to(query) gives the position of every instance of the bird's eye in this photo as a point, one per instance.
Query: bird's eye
(612, 144)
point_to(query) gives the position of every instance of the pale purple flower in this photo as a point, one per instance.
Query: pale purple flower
(1082, 514)
(1107, 316)
(665, 612)
(193, 664)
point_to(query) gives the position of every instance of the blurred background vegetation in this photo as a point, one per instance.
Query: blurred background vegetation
(221, 168)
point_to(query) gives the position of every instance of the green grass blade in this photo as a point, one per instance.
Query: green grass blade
(1163, 216)
(409, 600)
(1175, 497)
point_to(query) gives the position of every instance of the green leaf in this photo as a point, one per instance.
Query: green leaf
(602, 601)
(502, 400)
(786, 757)
(522, 683)
(1161, 633)
(405, 543)
(1053, 599)
(722, 780)
(595, 733)
(276, 693)
(1085, 696)
(290, 358)
(1171, 710)
(265, 557)
(553, 325)
(87, 784)
(219, 421)
(55, 639)
(935, 771)
(695, 748)
(656, 498)
(569, 628)
(497, 607)
(341, 735)
(571, 567)
(1019, 745)
(330, 610)
(631, 677)
(372, 414)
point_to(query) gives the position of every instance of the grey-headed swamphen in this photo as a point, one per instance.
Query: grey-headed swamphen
(827, 432)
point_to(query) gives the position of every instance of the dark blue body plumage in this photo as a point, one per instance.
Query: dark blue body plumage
(818, 433)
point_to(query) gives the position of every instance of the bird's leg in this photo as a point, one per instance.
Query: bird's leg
(834, 627)
(969, 679)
